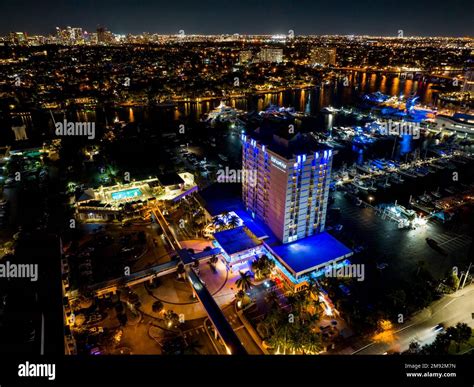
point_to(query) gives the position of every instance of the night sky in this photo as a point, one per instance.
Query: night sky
(374, 17)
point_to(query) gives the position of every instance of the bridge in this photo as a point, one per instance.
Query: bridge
(217, 318)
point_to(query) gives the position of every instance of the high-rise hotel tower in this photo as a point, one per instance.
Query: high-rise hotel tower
(290, 188)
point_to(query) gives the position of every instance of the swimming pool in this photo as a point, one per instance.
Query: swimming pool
(127, 194)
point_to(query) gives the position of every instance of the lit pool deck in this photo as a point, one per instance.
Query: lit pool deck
(311, 253)
(126, 194)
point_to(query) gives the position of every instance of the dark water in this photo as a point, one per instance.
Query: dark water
(306, 100)
(415, 187)
(167, 119)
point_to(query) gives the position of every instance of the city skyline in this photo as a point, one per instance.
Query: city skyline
(212, 18)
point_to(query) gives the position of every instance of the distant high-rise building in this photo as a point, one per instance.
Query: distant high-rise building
(272, 55)
(19, 38)
(77, 34)
(323, 56)
(289, 187)
(103, 35)
(245, 56)
(468, 85)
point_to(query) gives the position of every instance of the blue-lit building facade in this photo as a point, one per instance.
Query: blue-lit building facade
(290, 190)
(283, 211)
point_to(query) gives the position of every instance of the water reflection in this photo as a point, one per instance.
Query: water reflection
(309, 100)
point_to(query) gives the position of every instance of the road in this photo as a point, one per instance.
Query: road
(241, 331)
(451, 309)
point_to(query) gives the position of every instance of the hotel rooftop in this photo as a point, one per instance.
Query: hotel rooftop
(311, 253)
(286, 144)
(236, 240)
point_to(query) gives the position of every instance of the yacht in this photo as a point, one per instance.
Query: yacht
(406, 212)
(408, 172)
(352, 171)
(451, 190)
(329, 110)
(384, 184)
(436, 194)
(372, 188)
(437, 166)
(396, 178)
(359, 184)
(365, 168)
(420, 172)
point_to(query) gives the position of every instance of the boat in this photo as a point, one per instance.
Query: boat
(459, 160)
(420, 172)
(408, 172)
(344, 175)
(450, 166)
(362, 139)
(359, 185)
(384, 184)
(437, 166)
(329, 110)
(396, 178)
(352, 171)
(351, 189)
(451, 190)
(372, 188)
(383, 163)
(223, 113)
(376, 97)
(436, 194)
(379, 164)
(364, 168)
(425, 198)
(406, 212)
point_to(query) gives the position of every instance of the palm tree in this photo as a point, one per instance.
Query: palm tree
(257, 270)
(240, 295)
(274, 318)
(244, 282)
(213, 259)
(157, 306)
(459, 334)
(313, 286)
(272, 299)
(171, 318)
(225, 216)
(233, 221)
(263, 266)
(313, 343)
(219, 222)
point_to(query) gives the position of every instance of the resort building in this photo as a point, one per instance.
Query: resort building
(291, 185)
(283, 211)
(110, 203)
